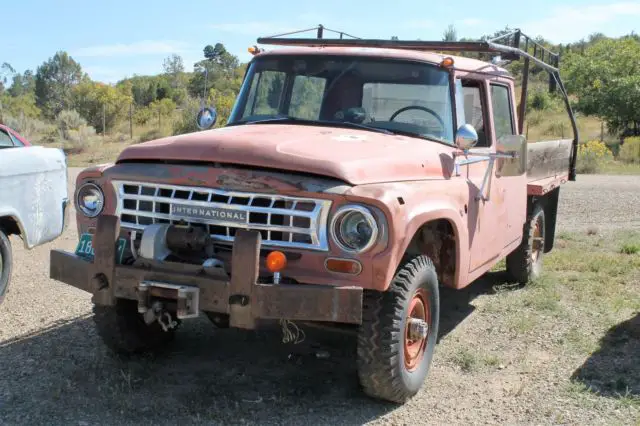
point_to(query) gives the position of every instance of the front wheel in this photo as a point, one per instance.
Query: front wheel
(124, 331)
(6, 263)
(398, 334)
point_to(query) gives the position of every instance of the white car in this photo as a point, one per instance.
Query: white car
(33, 196)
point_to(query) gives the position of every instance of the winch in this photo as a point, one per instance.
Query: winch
(160, 240)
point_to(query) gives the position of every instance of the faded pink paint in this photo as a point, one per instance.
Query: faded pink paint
(380, 169)
(370, 157)
(543, 186)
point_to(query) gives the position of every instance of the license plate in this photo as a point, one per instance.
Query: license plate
(85, 248)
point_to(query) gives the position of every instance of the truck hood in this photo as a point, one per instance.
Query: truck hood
(351, 155)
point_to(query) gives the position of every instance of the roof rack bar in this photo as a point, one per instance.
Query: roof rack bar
(320, 29)
(448, 46)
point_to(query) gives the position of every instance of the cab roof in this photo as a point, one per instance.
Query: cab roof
(462, 64)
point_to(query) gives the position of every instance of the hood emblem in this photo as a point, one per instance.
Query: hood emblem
(186, 211)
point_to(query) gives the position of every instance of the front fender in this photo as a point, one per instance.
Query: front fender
(438, 210)
(408, 206)
(33, 191)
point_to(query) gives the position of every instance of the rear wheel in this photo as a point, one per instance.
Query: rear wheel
(398, 334)
(6, 263)
(124, 330)
(524, 264)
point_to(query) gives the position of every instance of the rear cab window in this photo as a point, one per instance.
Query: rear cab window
(502, 111)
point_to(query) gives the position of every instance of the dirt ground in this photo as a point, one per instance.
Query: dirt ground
(504, 356)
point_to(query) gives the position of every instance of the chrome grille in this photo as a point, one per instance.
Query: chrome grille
(282, 221)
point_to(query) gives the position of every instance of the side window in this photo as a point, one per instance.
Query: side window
(5, 139)
(306, 97)
(16, 141)
(474, 113)
(502, 114)
(266, 94)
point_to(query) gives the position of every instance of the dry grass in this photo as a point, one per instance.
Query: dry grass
(583, 313)
(104, 149)
(619, 168)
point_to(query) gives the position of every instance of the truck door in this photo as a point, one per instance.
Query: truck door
(485, 207)
(510, 191)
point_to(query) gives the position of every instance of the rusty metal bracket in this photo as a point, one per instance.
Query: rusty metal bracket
(102, 271)
(244, 275)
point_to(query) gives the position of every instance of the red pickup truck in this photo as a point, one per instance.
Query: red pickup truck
(353, 179)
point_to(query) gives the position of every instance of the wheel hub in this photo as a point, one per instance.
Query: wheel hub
(416, 329)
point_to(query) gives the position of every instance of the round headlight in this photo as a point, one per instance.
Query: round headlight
(90, 199)
(354, 228)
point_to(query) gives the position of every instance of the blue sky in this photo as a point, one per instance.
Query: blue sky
(115, 39)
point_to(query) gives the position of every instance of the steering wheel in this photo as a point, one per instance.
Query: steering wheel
(425, 109)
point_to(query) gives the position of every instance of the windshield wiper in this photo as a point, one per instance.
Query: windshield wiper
(289, 119)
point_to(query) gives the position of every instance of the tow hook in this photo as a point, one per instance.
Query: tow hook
(158, 313)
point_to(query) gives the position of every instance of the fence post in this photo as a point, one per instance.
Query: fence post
(130, 120)
(104, 120)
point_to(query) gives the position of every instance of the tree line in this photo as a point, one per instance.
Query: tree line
(60, 85)
(601, 74)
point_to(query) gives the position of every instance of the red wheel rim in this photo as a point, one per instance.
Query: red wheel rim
(414, 348)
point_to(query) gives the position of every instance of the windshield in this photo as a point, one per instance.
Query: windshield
(397, 96)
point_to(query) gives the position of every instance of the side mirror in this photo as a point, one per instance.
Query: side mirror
(206, 118)
(515, 145)
(466, 137)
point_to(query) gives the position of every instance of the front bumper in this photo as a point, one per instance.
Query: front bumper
(239, 295)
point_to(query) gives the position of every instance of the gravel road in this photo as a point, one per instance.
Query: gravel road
(56, 371)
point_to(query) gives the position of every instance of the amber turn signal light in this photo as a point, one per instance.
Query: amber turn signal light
(447, 62)
(276, 261)
(343, 266)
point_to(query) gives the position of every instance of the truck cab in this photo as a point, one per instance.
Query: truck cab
(350, 182)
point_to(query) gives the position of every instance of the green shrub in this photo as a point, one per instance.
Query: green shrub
(69, 120)
(187, 121)
(34, 130)
(152, 134)
(557, 129)
(630, 150)
(79, 140)
(76, 136)
(542, 100)
(591, 156)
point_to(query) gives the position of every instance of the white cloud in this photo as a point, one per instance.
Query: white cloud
(146, 47)
(567, 24)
